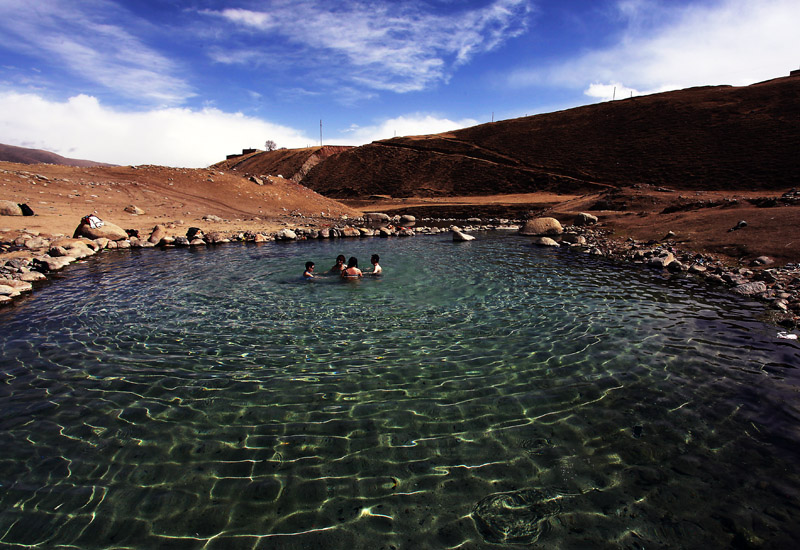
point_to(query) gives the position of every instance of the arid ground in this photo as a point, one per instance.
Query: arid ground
(701, 220)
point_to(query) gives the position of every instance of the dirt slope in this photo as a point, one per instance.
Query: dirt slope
(292, 164)
(61, 195)
(709, 138)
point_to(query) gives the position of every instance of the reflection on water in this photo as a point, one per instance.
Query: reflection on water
(478, 395)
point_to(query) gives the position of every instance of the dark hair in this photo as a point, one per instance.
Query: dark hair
(375, 258)
(340, 257)
(309, 265)
(352, 262)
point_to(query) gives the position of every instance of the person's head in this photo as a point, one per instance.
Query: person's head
(375, 259)
(352, 262)
(340, 259)
(309, 266)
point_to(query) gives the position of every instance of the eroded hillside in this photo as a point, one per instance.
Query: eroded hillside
(708, 138)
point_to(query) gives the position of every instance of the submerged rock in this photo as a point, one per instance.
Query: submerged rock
(459, 236)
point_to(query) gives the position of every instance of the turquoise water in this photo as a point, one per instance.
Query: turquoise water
(479, 395)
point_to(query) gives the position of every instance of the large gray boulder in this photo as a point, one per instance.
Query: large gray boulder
(459, 236)
(545, 227)
(8, 208)
(109, 231)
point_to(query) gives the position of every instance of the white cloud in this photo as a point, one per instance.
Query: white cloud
(83, 128)
(85, 38)
(735, 42)
(381, 45)
(406, 125)
(613, 90)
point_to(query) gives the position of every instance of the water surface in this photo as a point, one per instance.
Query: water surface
(479, 395)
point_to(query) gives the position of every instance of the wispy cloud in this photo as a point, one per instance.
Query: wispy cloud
(381, 45)
(88, 40)
(84, 128)
(662, 47)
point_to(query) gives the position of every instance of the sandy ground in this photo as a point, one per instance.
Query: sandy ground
(700, 220)
(61, 195)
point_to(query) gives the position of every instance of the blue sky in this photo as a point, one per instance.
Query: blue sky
(183, 83)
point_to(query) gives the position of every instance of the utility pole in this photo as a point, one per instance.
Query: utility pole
(613, 97)
(320, 132)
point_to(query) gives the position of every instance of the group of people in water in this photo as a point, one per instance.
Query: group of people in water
(349, 271)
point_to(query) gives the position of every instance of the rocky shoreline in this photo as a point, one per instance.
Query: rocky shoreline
(30, 258)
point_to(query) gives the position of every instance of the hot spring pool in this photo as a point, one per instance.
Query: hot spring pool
(478, 395)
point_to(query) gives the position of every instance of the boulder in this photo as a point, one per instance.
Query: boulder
(9, 291)
(32, 276)
(750, 289)
(20, 286)
(542, 227)
(108, 231)
(35, 243)
(459, 236)
(216, 237)
(8, 208)
(286, 234)
(661, 261)
(573, 238)
(48, 263)
(133, 209)
(407, 219)
(212, 218)
(545, 241)
(585, 219)
(377, 217)
(260, 238)
(762, 260)
(384, 232)
(350, 231)
(406, 232)
(158, 234)
(366, 231)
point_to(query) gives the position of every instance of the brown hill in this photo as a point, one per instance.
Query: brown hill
(708, 138)
(292, 164)
(23, 155)
(60, 195)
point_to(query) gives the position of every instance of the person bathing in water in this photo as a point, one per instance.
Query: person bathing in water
(352, 271)
(338, 267)
(376, 267)
(309, 272)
